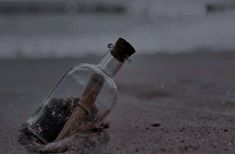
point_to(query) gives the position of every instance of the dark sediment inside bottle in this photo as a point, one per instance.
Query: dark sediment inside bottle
(52, 118)
(62, 117)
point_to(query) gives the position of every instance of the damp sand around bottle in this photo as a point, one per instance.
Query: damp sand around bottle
(91, 139)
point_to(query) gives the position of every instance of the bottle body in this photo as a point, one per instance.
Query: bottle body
(86, 86)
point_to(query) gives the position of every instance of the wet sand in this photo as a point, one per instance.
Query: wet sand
(168, 103)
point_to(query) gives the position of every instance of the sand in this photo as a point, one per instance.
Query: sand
(168, 103)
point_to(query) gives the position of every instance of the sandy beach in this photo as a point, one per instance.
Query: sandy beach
(168, 103)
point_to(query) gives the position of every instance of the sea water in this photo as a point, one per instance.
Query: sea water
(151, 26)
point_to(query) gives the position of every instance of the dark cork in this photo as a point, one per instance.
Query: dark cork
(122, 50)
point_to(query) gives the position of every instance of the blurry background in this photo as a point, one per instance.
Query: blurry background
(71, 28)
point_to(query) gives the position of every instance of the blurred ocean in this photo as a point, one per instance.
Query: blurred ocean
(151, 26)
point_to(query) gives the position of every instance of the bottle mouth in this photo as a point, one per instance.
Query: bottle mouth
(122, 50)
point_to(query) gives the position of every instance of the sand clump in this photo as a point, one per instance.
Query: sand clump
(90, 141)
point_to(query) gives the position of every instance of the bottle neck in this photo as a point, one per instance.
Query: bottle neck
(109, 64)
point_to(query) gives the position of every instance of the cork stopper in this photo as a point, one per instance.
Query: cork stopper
(122, 50)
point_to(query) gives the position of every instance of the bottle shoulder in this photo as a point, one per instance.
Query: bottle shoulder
(94, 69)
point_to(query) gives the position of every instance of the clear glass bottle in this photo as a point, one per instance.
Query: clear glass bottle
(83, 97)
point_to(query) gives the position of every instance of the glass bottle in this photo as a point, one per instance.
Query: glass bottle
(83, 97)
